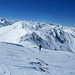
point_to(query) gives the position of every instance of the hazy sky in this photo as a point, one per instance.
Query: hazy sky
(55, 11)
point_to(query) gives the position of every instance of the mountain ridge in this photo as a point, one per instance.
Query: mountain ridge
(50, 36)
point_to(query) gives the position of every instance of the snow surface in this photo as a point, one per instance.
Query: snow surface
(18, 60)
(20, 55)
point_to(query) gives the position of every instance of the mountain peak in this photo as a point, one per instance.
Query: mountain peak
(5, 22)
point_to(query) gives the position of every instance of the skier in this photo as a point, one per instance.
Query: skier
(40, 47)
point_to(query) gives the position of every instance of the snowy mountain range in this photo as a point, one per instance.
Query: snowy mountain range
(50, 36)
(19, 53)
(5, 22)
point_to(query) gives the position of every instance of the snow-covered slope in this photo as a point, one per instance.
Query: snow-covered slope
(5, 22)
(50, 36)
(20, 55)
(18, 60)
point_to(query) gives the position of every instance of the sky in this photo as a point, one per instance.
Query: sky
(54, 11)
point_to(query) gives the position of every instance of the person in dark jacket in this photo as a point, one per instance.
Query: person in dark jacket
(40, 47)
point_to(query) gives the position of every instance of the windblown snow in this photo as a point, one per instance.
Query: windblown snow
(19, 51)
